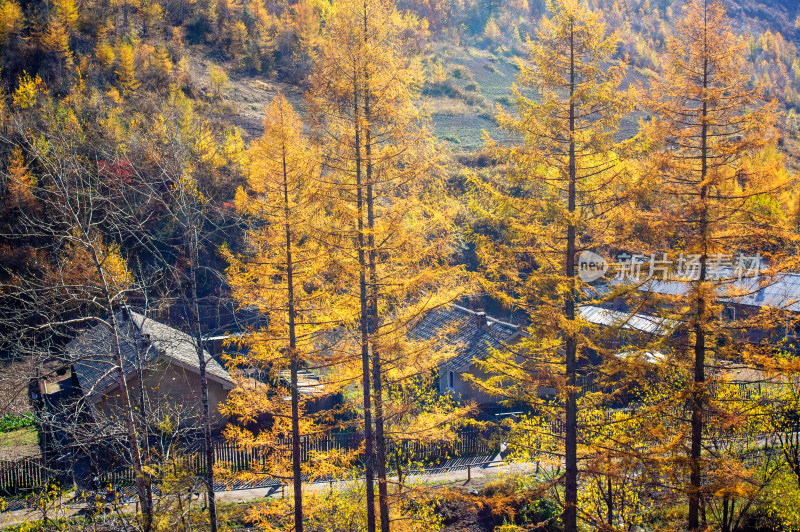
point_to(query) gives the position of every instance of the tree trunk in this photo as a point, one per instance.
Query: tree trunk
(697, 420)
(725, 525)
(364, 318)
(698, 387)
(142, 483)
(380, 440)
(399, 466)
(198, 340)
(296, 473)
(143, 412)
(610, 503)
(571, 429)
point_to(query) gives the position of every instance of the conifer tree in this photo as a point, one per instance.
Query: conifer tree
(105, 55)
(126, 68)
(390, 210)
(66, 12)
(20, 181)
(557, 197)
(55, 41)
(161, 64)
(152, 17)
(11, 19)
(284, 272)
(719, 197)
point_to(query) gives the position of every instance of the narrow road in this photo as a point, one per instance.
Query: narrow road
(450, 478)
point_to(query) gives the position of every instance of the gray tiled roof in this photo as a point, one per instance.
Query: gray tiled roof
(473, 342)
(93, 355)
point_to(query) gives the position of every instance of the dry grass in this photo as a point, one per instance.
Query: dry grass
(14, 378)
(19, 443)
(448, 107)
(18, 437)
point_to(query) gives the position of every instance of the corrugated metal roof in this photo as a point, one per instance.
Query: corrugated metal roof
(651, 357)
(307, 382)
(781, 291)
(612, 318)
(472, 341)
(93, 354)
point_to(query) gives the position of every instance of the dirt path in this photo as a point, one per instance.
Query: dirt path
(447, 478)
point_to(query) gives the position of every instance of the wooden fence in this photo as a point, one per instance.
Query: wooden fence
(467, 443)
(25, 475)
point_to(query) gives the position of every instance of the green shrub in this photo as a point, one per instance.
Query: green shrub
(471, 98)
(11, 422)
(445, 88)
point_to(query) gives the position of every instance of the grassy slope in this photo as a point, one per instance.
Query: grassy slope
(459, 121)
(461, 124)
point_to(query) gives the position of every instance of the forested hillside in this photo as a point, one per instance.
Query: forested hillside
(338, 242)
(203, 70)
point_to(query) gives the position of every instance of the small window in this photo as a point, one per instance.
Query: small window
(728, 314)
(451, 380)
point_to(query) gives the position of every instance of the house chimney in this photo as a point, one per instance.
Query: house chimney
(480, 320)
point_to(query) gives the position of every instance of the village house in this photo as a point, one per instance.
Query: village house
(159, 360)
(739, 299)
(474, 336)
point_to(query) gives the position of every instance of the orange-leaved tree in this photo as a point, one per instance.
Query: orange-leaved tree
(287, 273)
(559, 194)
(719, 201)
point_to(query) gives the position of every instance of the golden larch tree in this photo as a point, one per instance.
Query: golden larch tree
(719, 198)
(285, 274)
(126, 68)
(389, 205)
(558, 195)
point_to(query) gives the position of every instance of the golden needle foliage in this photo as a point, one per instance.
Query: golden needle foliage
(720, 190)
(560, 192)
(286, 274)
